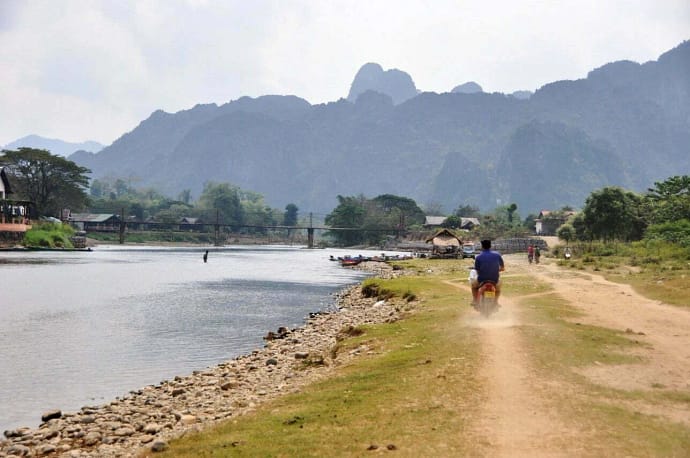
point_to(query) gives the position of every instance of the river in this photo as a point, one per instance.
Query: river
(82, 328)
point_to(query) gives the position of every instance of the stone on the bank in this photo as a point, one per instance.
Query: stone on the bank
(86, 419)
(159, 446)
(177, 391)
(301, 355)
(152, 428)
(19, 432)
(46, 449)
(124, 431)
(229, 385)
(18, 450)
(188, 419)
(92, 438)
(51, 414)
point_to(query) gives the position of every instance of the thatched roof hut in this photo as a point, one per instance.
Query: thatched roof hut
(445, 242)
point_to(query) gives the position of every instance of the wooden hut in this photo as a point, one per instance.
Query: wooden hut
(445, 244)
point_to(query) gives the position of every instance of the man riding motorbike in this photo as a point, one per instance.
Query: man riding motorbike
(488, 264)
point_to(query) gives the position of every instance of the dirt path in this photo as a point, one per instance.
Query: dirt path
(518, 417)
(665, 328)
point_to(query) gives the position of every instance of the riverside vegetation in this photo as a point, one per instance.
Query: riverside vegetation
(409, 376)
(420, 388)
(49, 235)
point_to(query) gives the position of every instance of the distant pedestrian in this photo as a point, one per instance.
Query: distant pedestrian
(530, 253)
(537, 254)
(206, 256)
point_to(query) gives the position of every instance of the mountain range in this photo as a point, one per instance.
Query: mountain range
(625, 124)
(55, 146)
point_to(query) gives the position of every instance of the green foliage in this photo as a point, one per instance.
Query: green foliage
(503, 222)
(613, 213)
(566, 232)
(373, 217)
(373, 287)
(49, 235)
(50, 182)
(671, 231)
(222, 199)
(452, 222)
(669, 200)
(467, 211)
(291, 215)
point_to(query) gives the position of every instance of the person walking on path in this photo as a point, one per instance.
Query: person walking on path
(206, 256)
(537, 254)
(530, 253)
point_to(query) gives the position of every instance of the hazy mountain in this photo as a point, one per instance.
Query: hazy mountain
(55, 146)
(625, 124)
(467, 88)
(394, 83)
(523, 95)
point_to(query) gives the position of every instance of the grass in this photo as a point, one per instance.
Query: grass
(560, 345)
(49, 235)
(417, 391)
(154, 236)
(419, 388)
(656, 270)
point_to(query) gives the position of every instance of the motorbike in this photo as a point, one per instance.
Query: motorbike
(487, 299)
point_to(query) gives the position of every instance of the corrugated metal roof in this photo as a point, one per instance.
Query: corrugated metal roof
(434, 220)
(93, 217)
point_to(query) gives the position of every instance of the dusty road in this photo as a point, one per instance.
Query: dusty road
(520, 415)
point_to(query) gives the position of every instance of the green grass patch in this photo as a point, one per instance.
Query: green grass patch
(565, 343)
(49, 235)
(655, 269)
(559, 345)
(155, 236)
(416, 394)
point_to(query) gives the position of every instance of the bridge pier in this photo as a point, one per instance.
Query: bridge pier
(310, 237)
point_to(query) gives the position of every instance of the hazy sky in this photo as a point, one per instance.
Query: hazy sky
(93, 69)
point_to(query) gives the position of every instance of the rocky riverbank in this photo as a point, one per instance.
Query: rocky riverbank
(147, 418)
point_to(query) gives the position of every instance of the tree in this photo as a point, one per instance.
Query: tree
(511, 209)
(349, 213)
(50, 182)
(582, 232)
(290, 217)
(185, 196)
(566, 232)
(407, 210)
(225, 199)
(669, 200)
(452, 222)
(467, 211)
(613, 213)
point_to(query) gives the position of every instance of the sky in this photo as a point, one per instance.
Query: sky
(80, 70)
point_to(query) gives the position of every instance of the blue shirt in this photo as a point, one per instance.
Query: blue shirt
(488, 264)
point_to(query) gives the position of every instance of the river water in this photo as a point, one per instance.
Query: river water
(81, 328)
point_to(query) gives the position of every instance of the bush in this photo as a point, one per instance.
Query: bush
(49, 235)
(677, 232)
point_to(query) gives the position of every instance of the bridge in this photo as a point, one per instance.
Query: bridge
(121, 226)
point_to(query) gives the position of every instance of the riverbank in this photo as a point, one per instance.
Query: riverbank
(147, 418)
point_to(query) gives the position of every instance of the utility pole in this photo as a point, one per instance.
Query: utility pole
(122, 226)
(217, 228)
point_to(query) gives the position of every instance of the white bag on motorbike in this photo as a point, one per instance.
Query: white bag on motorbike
(473, 277)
